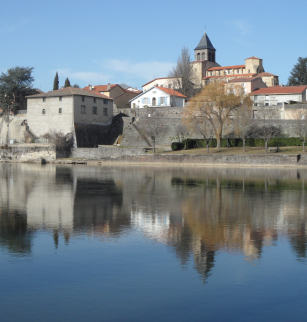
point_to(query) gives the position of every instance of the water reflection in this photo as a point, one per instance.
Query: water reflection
(196, 212)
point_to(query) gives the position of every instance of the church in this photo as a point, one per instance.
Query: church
(206, 69)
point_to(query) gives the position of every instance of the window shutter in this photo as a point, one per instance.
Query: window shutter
(143, 100)
(165, 100)
(159, 101)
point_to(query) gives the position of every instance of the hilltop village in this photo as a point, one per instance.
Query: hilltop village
(111, 114)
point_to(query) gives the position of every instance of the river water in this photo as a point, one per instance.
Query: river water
(82, 243)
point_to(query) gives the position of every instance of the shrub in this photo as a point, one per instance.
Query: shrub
(198, 143)
(177, 146)
(63, 142)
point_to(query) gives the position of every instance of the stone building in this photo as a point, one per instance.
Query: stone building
(205, 58)
(62, 109)
(253, 67)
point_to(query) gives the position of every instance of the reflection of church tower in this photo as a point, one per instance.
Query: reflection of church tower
(204, 59)
(205, 49)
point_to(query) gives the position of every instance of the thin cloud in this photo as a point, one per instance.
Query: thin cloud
(144, 70)
(87, 77)
(243, 26)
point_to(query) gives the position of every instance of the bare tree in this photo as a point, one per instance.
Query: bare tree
(182, 74)
(63, 142)
(266, 128)
(216, 105)
(301, 124)
(241, 122)
(203, 127)
(152, 127)
(182, 132)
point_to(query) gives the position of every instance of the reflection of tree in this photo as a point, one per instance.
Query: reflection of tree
(14, 235)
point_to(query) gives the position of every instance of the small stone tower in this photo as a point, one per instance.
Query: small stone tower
(205, 50)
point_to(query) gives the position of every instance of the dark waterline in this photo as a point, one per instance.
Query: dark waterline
(81, 243)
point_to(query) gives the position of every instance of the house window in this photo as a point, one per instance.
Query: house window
(94, 99)
(105, 111)
(255, 97)
(83, 98)
(60, 111)
(44, 99)
(44, 111)
(267, 104)
(105, 101)
(169, 86)
(162, 100)
(83, 111)
(60, 98)
(95, 110)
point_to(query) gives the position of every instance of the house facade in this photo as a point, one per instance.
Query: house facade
(159, 97)
(253, 67)
(278, 95)
(120, 95)
(60, 110)
(167, 82)
(248, 84)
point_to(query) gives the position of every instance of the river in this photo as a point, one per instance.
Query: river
(133, 243)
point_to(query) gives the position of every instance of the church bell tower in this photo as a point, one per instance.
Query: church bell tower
(205, 50)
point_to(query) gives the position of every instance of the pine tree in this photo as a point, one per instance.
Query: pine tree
(299, 73)
(67, 83)
(56, 82)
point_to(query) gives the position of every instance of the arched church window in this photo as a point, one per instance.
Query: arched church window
(209, 56)
(198, 56)
(213, 57)
(203, 56)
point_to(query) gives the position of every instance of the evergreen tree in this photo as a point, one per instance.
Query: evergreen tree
(67, 83)
(56, 82)
(299, 73)
(76, 86)
(15, 85)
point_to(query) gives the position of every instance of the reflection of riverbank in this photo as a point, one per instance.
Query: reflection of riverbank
(196, 212)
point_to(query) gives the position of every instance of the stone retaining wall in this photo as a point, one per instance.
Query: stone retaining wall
(105, 151)
(27, 152)
(210, 159)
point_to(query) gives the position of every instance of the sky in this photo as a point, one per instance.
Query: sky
(99, 42)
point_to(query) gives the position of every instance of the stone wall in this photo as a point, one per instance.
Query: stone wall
(211, 159)
(105, 151)
(27, 152)
(170, 118)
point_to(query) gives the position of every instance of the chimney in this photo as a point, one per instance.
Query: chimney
(89, 87)
(109, 86)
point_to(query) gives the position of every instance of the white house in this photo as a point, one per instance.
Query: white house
(168, 82)
(158, 97)
(277, 95)
(59, 110)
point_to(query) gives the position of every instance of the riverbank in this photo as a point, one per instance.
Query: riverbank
(198, 160)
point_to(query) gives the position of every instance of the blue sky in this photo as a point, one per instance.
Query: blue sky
(132, 42)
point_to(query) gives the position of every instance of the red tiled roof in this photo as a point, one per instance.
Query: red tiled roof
(170, 91)
(226, 67)
(101, 88)
(158, 78)
(242, 80)
(280, 90)
(69, 91)
(253, 57)
(234, 76)
(266, 74)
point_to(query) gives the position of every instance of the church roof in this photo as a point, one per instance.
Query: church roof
(205, 43)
